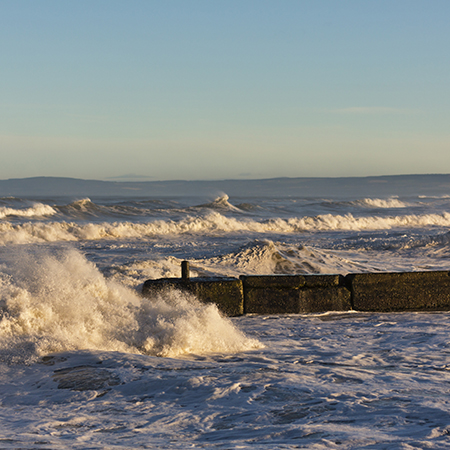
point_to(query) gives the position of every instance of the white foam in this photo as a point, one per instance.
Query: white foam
(62, 302)
(268, 257)
(434, 196)
(340, 380)
(37, 210)
(213, 223)
(380, 203)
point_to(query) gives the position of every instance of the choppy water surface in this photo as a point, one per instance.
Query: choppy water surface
(85, 362)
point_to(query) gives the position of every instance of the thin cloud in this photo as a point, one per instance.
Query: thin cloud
(373, 110)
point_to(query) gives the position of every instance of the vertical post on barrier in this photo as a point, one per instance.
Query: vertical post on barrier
(185, 270)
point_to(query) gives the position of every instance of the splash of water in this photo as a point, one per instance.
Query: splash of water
(61, 301)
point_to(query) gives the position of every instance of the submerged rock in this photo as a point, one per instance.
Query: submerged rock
(85, 378)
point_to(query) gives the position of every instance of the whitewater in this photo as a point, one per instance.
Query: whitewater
(87, 362)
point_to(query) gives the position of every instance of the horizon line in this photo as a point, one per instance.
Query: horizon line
(174, 180)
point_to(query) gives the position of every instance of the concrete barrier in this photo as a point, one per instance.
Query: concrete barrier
(407, 291)
(278, 294)
(294, 294)
(226, 293)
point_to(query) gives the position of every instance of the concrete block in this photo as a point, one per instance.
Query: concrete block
(271, 301)
(315, 281)
(293, 294)
(323, 299)
(226, 293)
(400, 291)
(273, 281)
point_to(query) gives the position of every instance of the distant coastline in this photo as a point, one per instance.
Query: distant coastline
(382, 186)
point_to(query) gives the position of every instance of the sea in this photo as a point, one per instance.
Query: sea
(87, 363)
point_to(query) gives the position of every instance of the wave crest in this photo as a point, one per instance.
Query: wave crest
(268, 257)
(212, 223)
(81, 208)
(58, 302)
(380, 203)
(37, 210)
(220, 203)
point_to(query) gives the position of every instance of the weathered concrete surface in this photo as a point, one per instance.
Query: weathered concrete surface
(292, 294)
(400, 291)
(273, 281)
(284, 294)
(226, 293)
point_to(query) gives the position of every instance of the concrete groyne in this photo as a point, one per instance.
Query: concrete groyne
(291, 294)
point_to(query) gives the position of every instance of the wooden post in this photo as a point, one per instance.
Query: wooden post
(185, 270)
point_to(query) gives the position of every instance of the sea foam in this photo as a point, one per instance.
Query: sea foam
(380, 203)
(213, 223)
(60, 301)
(37, 210)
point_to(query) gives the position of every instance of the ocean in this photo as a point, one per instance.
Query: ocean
(86, 362)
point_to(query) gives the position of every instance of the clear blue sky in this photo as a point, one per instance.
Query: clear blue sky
(201, 89)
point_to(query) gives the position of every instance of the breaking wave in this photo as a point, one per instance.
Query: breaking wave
(82, 208)
(274, 257)
(213, 223)
(220, 203)
(37, 210)
(86, 208)
(268, 257)
(58, 302)
(380, 203)
(85, 205)
(369, 203)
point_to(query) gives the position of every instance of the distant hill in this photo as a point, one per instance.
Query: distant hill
(303, 187)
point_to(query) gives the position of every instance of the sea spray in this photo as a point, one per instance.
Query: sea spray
(221, 203)
(179, 324)
(211, 224)
(362, 380)
(57, 301)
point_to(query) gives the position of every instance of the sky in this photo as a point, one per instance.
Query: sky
(224, 89)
